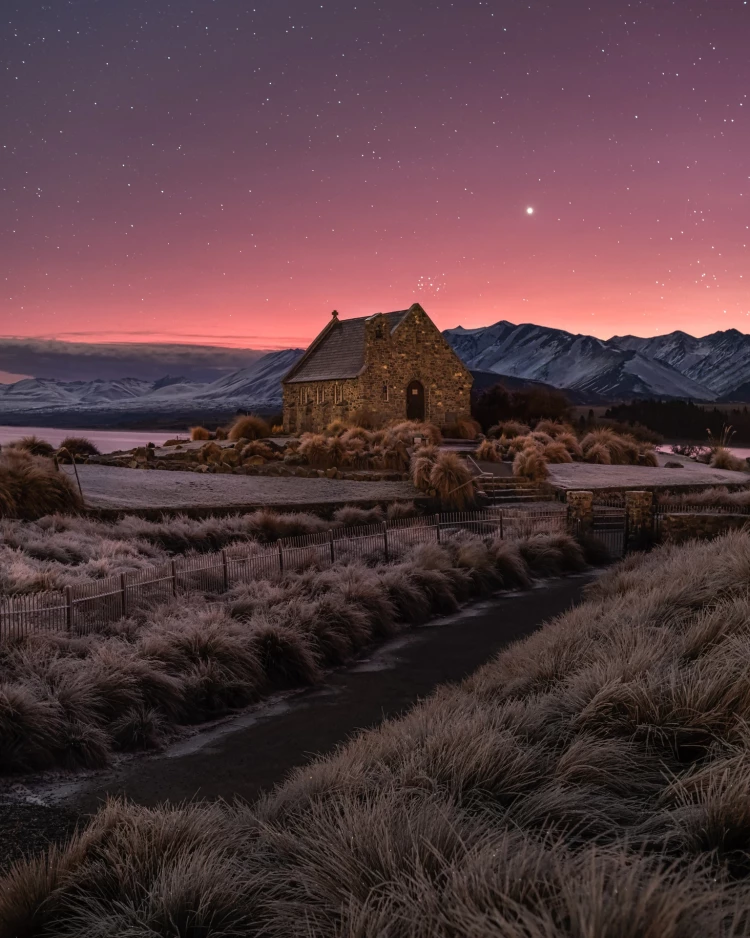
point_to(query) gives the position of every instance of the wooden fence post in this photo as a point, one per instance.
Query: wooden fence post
(69, 608)
(124, 591)
(385, 542)
(437, 527)
(281, 556)
(225, 567)
(502, 532)
(174, 578)
(333, 549)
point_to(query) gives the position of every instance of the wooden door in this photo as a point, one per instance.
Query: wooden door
(415, 401)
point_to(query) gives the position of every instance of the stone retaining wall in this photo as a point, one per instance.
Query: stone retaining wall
(677, 527)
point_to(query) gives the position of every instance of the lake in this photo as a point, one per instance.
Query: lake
(107, 441)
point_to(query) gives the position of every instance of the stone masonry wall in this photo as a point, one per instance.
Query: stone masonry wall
(414, 351)
(678, 527)
(300, 417)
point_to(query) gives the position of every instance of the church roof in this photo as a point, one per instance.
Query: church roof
(339, 351)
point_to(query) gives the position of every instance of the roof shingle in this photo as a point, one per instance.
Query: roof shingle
(341, 353)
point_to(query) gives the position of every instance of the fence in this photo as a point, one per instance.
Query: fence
(90, 605)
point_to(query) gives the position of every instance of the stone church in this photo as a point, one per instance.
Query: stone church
(397, 365)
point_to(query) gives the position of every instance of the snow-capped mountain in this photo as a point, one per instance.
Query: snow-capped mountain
(675, 365)
(249, 387)
(720, 361)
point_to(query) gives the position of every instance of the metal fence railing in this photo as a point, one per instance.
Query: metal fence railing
(89, 605)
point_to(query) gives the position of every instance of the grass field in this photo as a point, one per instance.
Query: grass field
(72, 700)
(591, 781)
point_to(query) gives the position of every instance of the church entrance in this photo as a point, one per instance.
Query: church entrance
(415, 401)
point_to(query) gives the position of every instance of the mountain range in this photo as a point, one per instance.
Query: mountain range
(713, 368)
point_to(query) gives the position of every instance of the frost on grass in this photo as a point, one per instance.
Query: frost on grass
(60, 550)
(72, 700)
(590, 781)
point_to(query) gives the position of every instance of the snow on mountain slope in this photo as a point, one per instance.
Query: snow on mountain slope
(260, 382)
(566, 360)
(720, 361)
(257, 384)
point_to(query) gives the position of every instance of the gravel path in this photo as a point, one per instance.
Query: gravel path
(112, 487)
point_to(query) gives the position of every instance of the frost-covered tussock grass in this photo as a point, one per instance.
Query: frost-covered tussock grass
(59, 550)
(593, 780)
(72, 700)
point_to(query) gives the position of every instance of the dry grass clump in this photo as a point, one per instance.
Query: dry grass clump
(722, 458)
(248, 427)
(509, 429)
(71, 700)
(489, 451)
(463, 429)
(589, 781)
(79, 447)
(444, 475)
(557, 452)
(356, 447)
(530, 463)
(33, 445)
(200, 433)
(31, 486)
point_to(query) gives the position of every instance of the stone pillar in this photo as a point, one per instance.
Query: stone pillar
(639, 519)
(580, 510)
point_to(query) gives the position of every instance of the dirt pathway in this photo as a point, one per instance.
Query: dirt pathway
(252, 752)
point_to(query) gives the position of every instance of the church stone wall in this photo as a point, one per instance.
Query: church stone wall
(414, 351)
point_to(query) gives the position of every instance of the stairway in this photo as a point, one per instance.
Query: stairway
(498, 490)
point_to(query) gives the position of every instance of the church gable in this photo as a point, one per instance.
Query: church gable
(397, 365)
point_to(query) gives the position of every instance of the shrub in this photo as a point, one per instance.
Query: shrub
(33, 445)
(598, 453)
(336, 428)
(31, 487)
(200, 433)
(353, 515)
(463, 429)
(530, 464)
(420, 470)
(248, 427)
(79, 446)
(489, 451)
(571, 444)
(397, 510)
(557, 452)
(367, 419)
(509, 429)
(314, 448)
(723, 458)
(406, 430)
(452, 481)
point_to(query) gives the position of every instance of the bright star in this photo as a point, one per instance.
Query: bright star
(529, 211)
